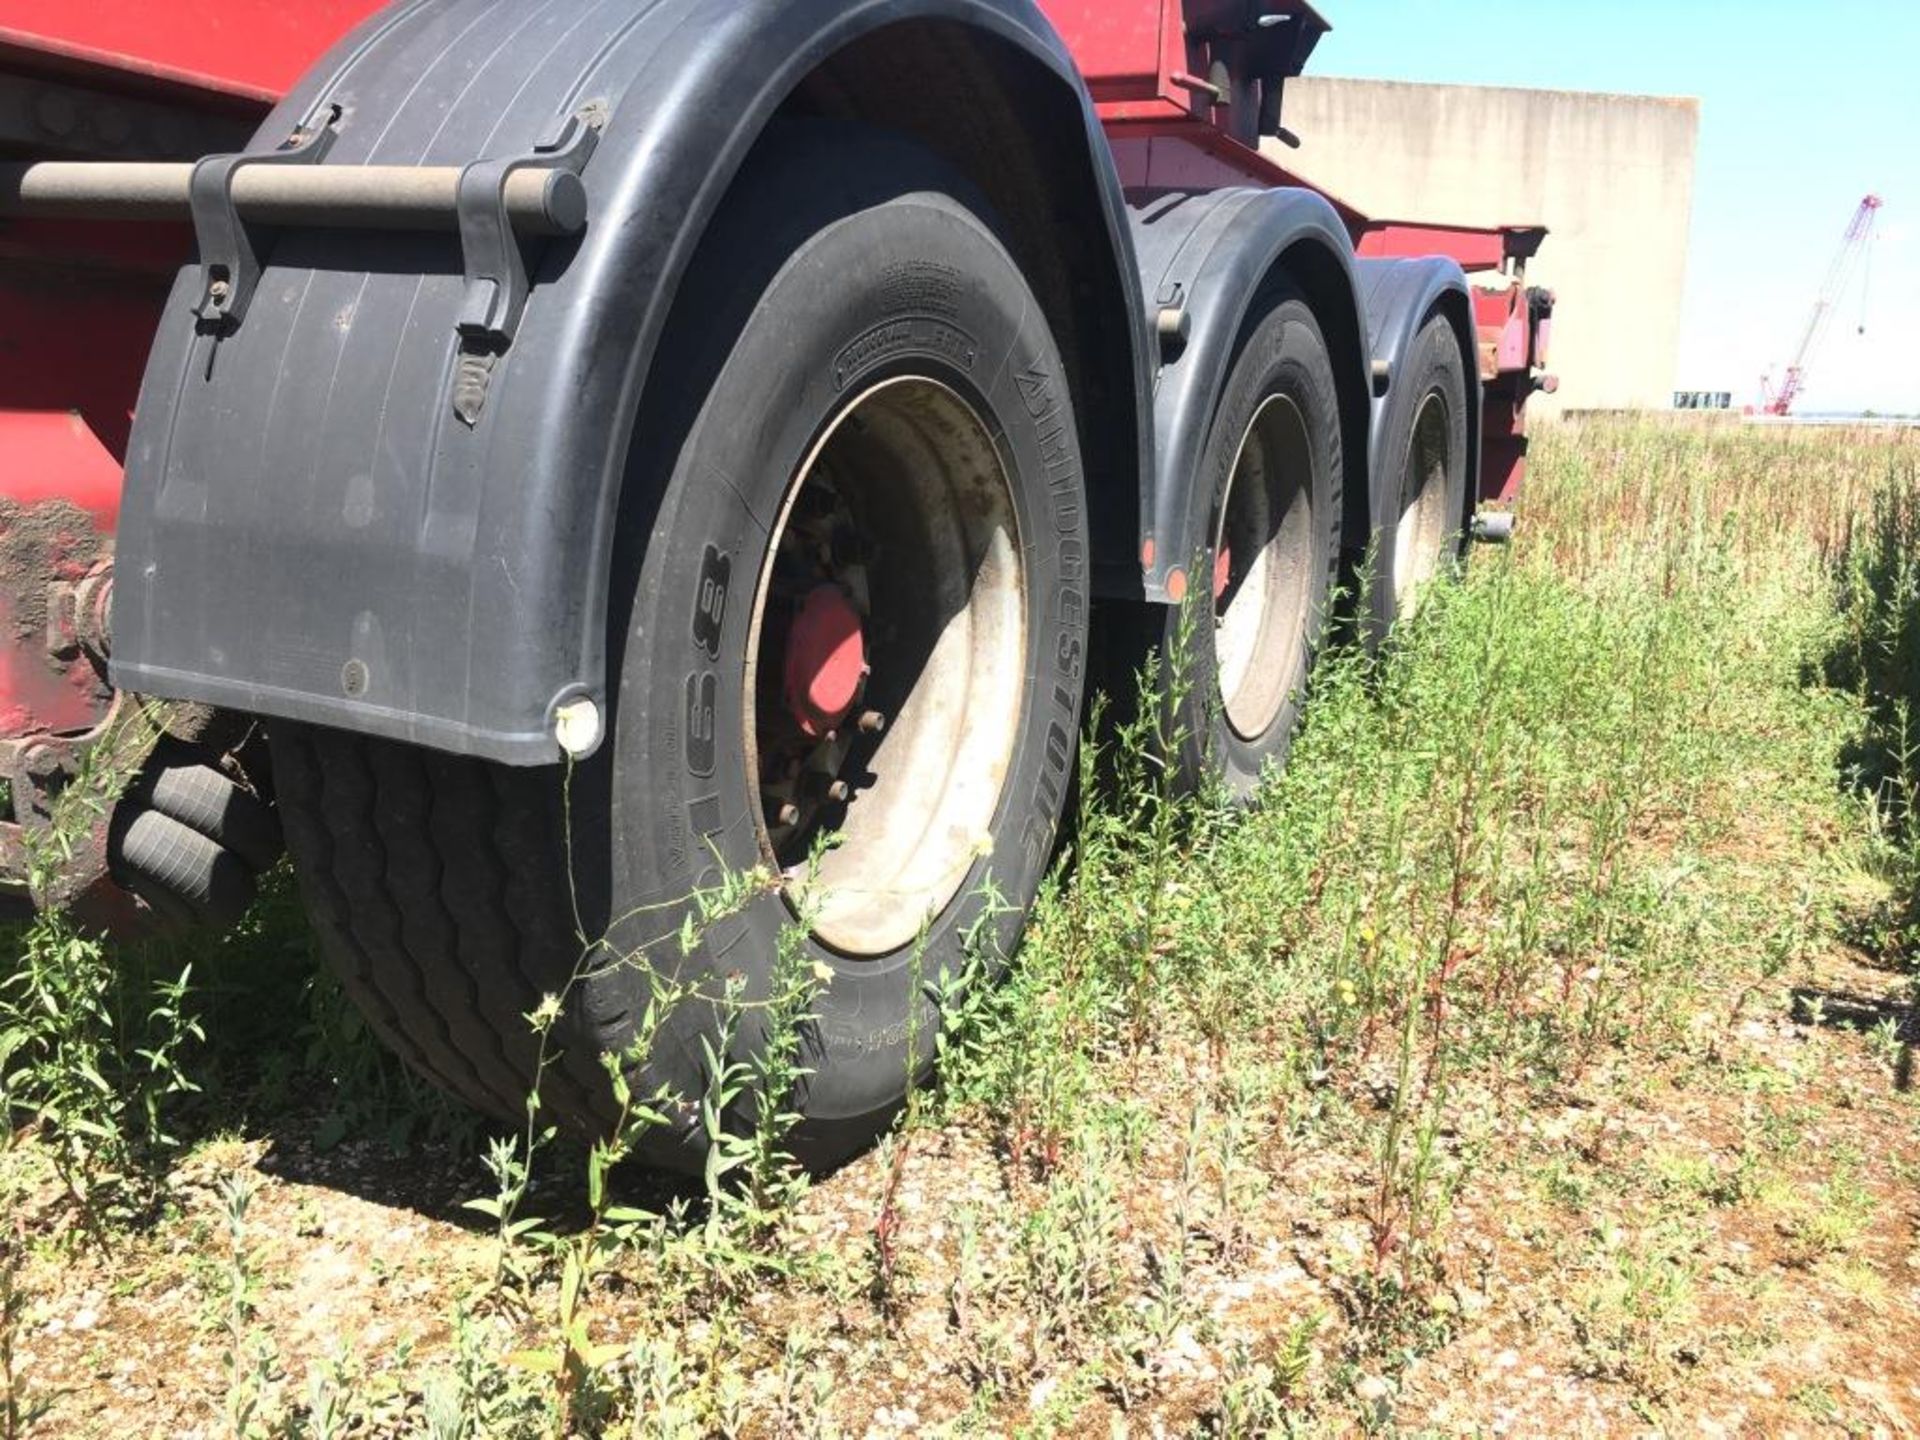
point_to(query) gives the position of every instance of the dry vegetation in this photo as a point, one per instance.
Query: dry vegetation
(1537, 1058)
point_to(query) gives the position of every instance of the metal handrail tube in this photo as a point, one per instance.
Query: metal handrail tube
(539, 201)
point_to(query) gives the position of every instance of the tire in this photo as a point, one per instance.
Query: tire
(190, 842)
(854, 346)
(1272, 475)
(1420, 518)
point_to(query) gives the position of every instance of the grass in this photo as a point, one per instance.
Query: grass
(1521, 1027)
(1877, 657)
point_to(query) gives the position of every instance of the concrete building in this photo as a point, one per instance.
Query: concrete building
(1610, 175)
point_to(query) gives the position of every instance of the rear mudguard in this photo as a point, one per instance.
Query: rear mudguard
(1400, 296)
(310, 530)
(1203, 261)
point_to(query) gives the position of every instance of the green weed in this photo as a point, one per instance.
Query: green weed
(90, 1052)
(1635, 1312)
(1876, 655)
(18, 1407)
(248, 1357)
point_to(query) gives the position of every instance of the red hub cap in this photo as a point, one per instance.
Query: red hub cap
(826, 661)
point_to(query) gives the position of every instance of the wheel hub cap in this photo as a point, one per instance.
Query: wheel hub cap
(826, 661)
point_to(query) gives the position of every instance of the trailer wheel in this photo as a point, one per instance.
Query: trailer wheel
(1420, 521)
(1273, 467)
(849, 630)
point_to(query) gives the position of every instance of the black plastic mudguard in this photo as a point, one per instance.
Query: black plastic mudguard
(1399, 297)
(1207, 255)
(310, 530)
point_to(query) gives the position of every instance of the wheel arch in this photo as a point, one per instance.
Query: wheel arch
(1209, 257)
(302, 504)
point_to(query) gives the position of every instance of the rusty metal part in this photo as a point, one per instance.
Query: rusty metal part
(53, 843)
(56, 573)
(74, 741)
(72, 805)
(78, 613)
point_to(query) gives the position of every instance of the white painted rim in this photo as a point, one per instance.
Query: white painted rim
(946, 638)
(1262, 621)
(1420, 537)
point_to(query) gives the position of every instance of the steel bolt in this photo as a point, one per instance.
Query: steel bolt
(872, 722)
(789, 814)
(839, 790)
(112, 125)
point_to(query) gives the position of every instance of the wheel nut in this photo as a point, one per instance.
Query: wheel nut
(839, 790)
(872, 722)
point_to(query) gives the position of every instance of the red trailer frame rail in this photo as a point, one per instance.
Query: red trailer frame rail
(245, 51)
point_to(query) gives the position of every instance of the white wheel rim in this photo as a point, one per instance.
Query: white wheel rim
(1263, 614)
(1420, 535)
(945, 590)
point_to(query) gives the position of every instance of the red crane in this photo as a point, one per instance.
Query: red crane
(1852, 245)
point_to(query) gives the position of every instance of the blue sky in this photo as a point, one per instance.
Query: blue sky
(1804, 109)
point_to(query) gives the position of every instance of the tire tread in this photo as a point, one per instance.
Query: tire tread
(440, 941)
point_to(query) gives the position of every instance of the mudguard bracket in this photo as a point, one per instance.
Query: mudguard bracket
(496, 266)
(229, 260)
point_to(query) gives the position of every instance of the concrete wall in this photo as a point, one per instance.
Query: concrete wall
(1610, 175)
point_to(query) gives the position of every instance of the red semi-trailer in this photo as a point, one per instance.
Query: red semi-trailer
(548, 457)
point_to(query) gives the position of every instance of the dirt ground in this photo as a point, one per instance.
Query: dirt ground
(1625, 1266)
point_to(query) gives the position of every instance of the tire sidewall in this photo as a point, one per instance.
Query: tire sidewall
(1284, 353)
(917, 285)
